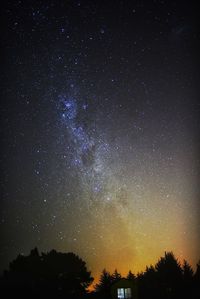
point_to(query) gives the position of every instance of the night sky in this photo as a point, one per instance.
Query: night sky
(100, 131)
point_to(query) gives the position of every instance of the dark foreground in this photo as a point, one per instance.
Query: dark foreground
(65, 275)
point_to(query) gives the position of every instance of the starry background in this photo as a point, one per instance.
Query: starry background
(100, 131)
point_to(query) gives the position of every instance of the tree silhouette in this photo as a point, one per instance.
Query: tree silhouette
(187, 271)
(169, 275)
(148, 283)
(197, 281)
(53, 273)
(167, 280)
(64, 275)
(131, 276)
(188, 282)
(104, 285)
(116, 276)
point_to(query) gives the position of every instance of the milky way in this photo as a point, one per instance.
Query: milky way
(100, 131)
(89, 155)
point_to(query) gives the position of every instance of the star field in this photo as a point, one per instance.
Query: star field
(100, 131)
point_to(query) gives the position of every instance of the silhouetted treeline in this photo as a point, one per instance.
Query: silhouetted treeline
(52, 274)
(166, 280)
(64, 275)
